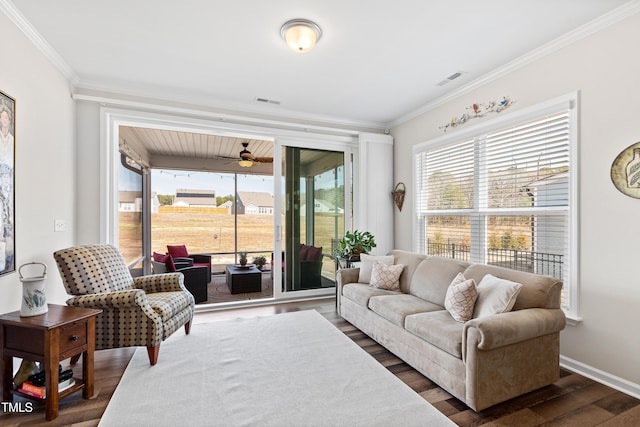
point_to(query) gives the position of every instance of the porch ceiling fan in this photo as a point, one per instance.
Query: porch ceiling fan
(247, 159)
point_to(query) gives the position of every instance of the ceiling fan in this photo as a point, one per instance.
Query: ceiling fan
(247, 159)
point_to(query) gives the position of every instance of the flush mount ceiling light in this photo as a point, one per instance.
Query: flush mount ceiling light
(301, 35)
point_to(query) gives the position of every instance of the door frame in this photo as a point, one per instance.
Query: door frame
(281, 134)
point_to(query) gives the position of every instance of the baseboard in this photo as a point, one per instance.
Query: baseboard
(603, 377)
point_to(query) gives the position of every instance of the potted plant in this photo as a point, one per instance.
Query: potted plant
(260, 261)
(243, 258)
(355, 243)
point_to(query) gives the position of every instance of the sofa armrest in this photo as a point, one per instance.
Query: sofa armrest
(168, 282)
(119, 299)
(347, 275)
(503, 329)
(343, 277)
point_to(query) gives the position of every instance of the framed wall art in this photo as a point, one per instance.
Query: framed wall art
(7, 182)
(625, 171)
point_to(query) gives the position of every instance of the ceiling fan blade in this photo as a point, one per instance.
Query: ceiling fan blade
(263, 159)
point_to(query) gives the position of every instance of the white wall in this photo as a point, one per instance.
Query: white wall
(605, 68)
(375, 211)
(45, 161)
(88, 167)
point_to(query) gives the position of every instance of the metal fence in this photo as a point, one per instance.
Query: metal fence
(515, 259)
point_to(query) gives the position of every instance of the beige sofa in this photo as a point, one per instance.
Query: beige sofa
(483, 361)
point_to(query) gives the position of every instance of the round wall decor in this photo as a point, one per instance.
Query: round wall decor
(625, 171)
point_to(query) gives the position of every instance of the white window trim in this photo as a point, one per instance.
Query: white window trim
(570, 102)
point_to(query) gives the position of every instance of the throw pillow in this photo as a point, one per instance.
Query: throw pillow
(495, 295)
(385, 276)
(314, 254)
(167, 259)
(304, 252)
(461, 298)
(366, 265)
(178, 251)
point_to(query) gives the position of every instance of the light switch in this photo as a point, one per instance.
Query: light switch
(59, 225)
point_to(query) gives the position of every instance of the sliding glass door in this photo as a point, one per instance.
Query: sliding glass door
(314, 215)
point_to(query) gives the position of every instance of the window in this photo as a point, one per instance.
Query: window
(502, 194)
(130, 184)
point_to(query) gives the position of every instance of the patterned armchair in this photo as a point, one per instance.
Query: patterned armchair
(141, 311)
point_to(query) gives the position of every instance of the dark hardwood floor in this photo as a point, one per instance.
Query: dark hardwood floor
(572, 401)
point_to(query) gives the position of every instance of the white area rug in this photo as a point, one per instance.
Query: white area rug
(292, 369)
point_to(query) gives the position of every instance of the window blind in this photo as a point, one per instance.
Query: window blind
(500, 198)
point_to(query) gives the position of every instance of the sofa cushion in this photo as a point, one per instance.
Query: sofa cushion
(361, 293)
(537, 291)
(437, 328)
(461, 298)
(410, 260)
(395, 308)
(385, 276)
(495, 296)
(433, 276)
(366, 265)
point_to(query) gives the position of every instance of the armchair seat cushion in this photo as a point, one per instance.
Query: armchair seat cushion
(169, 304)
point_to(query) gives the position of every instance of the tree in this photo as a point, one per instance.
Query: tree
(165, 199)
(221, 199)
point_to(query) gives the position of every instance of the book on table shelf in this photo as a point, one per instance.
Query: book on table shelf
(39, 378)
(41, 391)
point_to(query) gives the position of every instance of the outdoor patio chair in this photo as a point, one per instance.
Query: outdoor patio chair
(141, 311)
(179, 252)
(196, 277)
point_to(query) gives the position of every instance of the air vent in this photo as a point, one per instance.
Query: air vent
(450, 78)
(267, 101)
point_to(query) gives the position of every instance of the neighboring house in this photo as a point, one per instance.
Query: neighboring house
(322, 206)
(195, 198)
(545, 191)
(228, 205)
(130, 201)
(254, 203)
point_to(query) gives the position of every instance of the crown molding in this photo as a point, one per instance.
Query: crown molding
(170, 100)
(626, 10)
(36, 38)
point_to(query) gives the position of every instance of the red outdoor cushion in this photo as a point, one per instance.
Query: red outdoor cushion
(314, 254)
(178, 251)
(167, 259)
(304, 251)
(310, 253)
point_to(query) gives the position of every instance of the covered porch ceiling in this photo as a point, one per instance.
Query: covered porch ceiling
(177, 150)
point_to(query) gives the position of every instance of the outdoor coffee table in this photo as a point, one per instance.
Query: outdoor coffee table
(242, 279)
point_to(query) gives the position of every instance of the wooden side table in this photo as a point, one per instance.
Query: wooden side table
(60, 333)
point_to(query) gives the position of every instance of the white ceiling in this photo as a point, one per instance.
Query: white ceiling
(377, 62)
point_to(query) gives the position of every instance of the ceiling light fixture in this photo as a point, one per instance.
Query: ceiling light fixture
(301, 35)
(245, 156)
